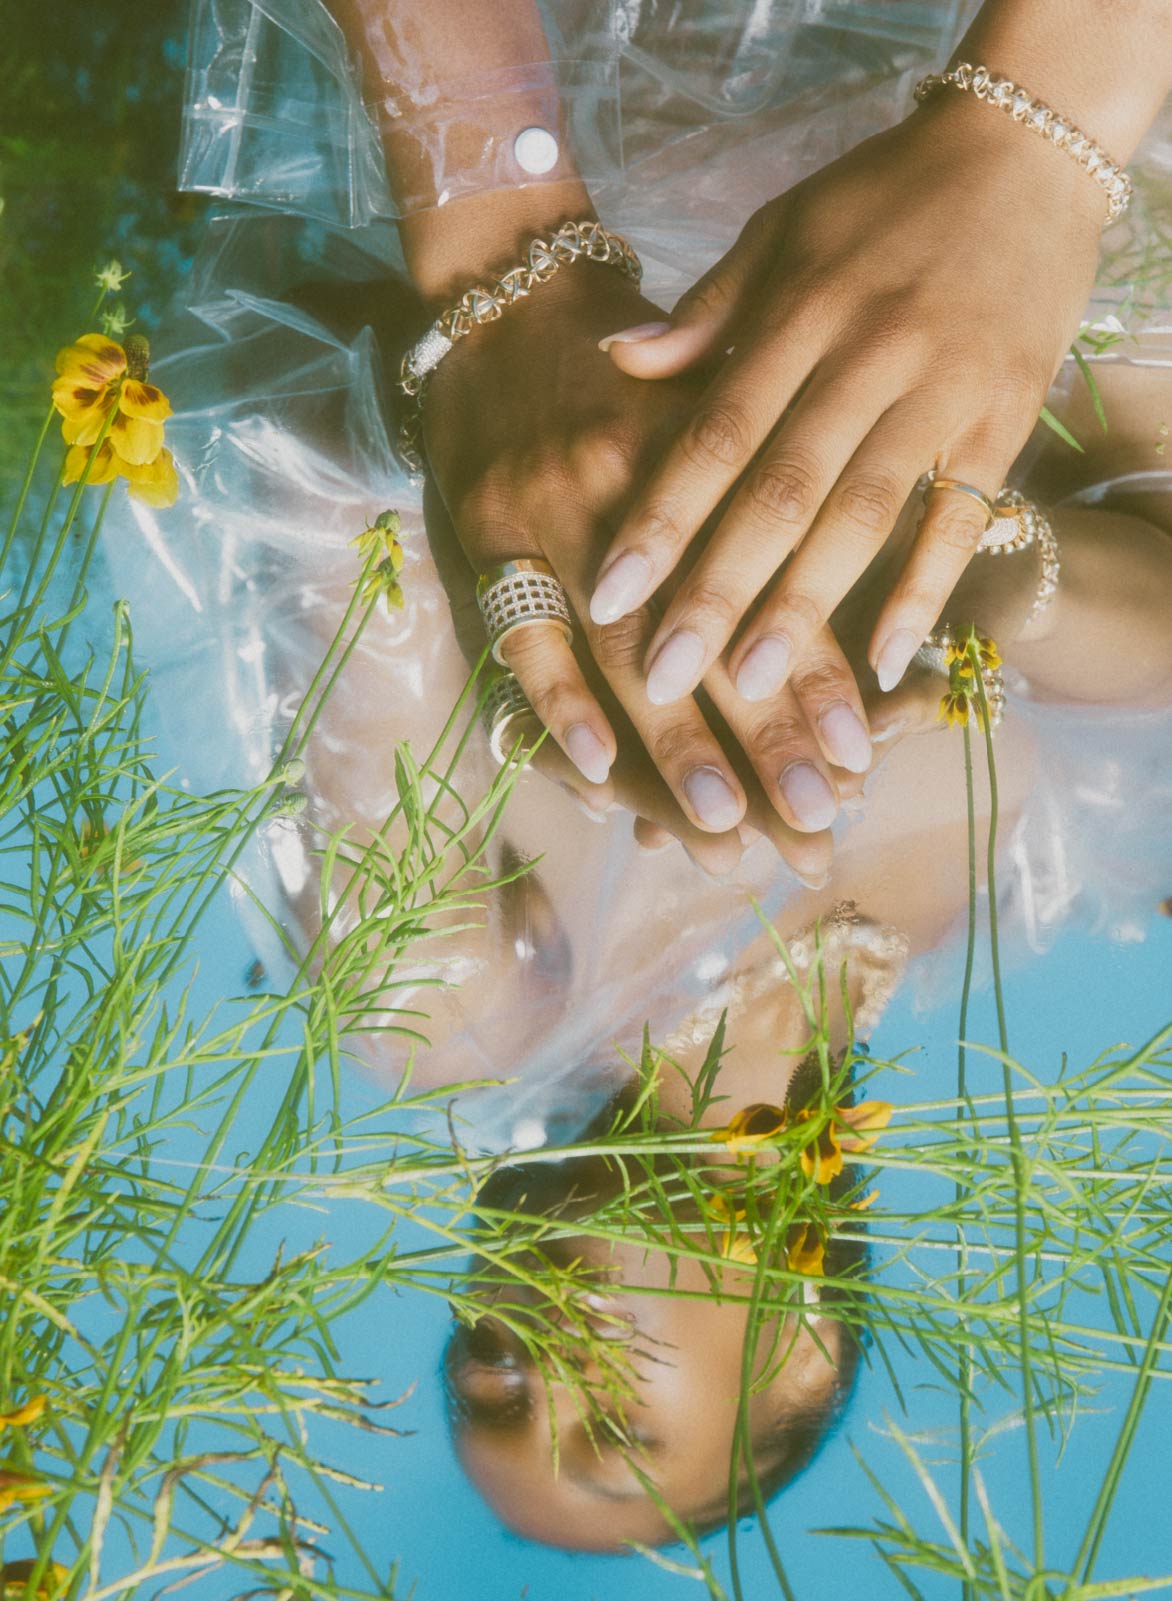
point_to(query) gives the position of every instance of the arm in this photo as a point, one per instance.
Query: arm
(534, 439)
(905, 308)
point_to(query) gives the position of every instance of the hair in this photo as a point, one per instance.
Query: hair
(788, 1450)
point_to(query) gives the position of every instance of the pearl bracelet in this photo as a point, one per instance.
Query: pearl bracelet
(1035, 114)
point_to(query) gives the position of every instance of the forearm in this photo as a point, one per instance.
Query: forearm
(452, 84)
(1105, 64)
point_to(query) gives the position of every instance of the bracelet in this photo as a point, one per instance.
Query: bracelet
(1035, 114)
(571, 242)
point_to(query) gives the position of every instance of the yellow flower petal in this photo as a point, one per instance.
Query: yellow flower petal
(156, 482)
(821, 1157)
(16, 1487)
(24, 1415)
(104, 467)
(144, 400)
(93, 358)
(866, 1119)
(751, 1127)
(136, 439)
(805, 1252)
(867, 1202)
(14, 1578)
(74, 398)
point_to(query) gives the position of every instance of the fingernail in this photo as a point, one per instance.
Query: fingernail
(632, 336)
(588, 754)
(809, 795)
(764, 668)
(846, 738)
(676, 668)
(621, 588)
(880, 736)
(711, 799)
(894, 658)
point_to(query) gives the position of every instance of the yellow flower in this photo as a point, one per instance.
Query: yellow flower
(382, 533)
(383, 582)
(101, 386)
(736, 1245)
(18, 1487)
(23, 1415)
(155, 482)
(805, 1252)
(753, 1126)
(822, 1157)
(954, 708)
(14, 1578)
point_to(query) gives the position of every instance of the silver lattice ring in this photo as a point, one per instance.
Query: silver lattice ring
(518, 594)
(506, 709)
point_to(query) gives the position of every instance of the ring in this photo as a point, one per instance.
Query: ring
(517, 594)
(505, 704)
(933, 480)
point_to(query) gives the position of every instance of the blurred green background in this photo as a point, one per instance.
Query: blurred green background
(89, 138)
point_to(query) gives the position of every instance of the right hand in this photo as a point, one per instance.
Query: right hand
(535, 442)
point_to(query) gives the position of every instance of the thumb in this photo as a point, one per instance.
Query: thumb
(702, 323)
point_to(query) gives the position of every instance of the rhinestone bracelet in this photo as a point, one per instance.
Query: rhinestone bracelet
(573, 241)
(1035, 114)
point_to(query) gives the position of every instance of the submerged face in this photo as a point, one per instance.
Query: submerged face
(686, 1357)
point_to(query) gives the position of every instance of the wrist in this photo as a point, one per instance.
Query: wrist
(449, 248)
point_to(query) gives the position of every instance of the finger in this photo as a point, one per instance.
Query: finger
(557, 690)
(717, 444)
(949, 535)
(681, 746)
(913, 707)
(825, 688)
(853, 525)
(784, 752)
(771, 511)
(702, 321)
(650, 837)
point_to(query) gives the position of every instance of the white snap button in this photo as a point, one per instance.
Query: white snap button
(536, 150)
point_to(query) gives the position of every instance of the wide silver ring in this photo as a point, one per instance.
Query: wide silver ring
(519, 594)
(506, 708)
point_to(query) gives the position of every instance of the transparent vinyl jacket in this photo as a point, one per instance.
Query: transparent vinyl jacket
(285, 454)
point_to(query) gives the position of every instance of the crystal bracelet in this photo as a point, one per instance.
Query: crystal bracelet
(1036, 114)
(573, 241)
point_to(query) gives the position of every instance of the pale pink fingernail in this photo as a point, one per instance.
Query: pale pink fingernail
(621, 588)
(676, 668)
(809, 795)
(711, 799)
(764, 668)
(588, 754)
(894, 658)
(633, 336)
(846, 738)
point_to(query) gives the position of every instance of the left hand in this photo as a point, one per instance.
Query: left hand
(905, 308)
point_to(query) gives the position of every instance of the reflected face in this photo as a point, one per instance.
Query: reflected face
(686, 1357)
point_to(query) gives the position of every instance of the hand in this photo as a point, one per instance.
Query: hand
(905, 308)
(534, 440)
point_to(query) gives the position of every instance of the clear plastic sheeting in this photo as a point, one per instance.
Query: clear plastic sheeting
(276, 114)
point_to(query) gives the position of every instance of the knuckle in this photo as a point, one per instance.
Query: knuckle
(718, 435)
(555, 703)
(605, 452)
(708, 602)
(870, 503)
(785, 491)
(1016, 388)
(776, 736)
(955, 526)
(798, 616)
(821, 682)
(619, 646)
(706, 298)
(660, 525)
(673, 747)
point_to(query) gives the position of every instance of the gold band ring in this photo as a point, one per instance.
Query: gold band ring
(934, 480)
(518, 594)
